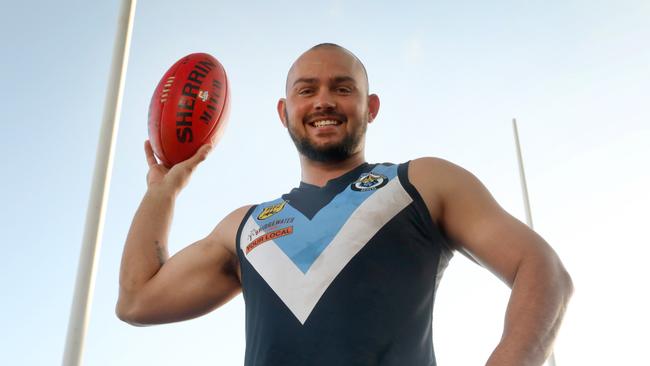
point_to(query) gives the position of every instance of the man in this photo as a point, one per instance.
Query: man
(343, 269)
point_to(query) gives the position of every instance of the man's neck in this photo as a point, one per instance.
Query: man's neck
(319, 173)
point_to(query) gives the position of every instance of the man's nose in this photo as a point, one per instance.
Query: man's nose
(324, 101)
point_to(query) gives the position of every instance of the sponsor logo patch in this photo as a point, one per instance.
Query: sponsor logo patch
(269, 236)
(271, 210)
(269, 225)
(368, 182)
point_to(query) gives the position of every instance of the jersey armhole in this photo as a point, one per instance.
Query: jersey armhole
(238, 237)
(436, 232)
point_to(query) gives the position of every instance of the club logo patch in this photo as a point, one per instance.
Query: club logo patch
(368, 182)
(271, 210)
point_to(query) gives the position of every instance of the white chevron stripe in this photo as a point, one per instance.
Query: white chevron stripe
(301, 292)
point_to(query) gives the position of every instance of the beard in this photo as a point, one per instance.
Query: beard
(331, 153)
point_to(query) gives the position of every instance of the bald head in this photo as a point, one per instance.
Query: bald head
(329, 84)
(321, 50)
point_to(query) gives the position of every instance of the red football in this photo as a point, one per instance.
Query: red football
(189, 108)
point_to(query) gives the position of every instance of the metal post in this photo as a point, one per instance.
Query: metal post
(524, 191)
(81, 302)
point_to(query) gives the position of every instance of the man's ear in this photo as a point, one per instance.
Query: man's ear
(282, 105)
(373, 107)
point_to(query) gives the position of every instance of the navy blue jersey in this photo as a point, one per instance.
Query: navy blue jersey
(343, 274)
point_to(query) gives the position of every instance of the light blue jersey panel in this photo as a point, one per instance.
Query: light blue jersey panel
(311, 237)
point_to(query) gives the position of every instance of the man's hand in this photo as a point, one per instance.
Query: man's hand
(175, 179)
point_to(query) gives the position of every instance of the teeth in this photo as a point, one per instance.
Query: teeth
(325, 123)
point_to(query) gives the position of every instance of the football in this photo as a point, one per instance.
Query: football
(189, 108)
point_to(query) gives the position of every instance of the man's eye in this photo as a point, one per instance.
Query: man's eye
(343, 90)
(304, 91)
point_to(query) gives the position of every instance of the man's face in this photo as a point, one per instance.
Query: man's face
(327, 108)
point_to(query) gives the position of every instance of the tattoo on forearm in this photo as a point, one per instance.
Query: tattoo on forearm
(160, 252)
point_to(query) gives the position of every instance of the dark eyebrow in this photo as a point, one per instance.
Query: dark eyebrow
(305, 80)
(343, 79)
(336, 79)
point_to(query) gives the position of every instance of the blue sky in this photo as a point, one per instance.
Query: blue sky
(450, 75)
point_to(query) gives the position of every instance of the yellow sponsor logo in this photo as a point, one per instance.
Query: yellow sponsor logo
(271, 210)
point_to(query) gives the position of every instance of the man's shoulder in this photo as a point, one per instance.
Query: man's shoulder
(229, 226)
(434, 169)
(436, 180)
(431, 162)
(237, 213)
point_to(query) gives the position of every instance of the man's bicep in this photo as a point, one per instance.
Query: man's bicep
(194, 281)
(480, 227)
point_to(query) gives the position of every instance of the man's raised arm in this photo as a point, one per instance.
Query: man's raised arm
(157, 289)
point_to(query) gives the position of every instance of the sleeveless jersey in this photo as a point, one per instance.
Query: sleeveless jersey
(343, 274)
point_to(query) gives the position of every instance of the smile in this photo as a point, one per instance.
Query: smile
(327, 122)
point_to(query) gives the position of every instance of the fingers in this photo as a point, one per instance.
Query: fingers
(181, 172)
(151, 159)
(190, 164)
(200, 155)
